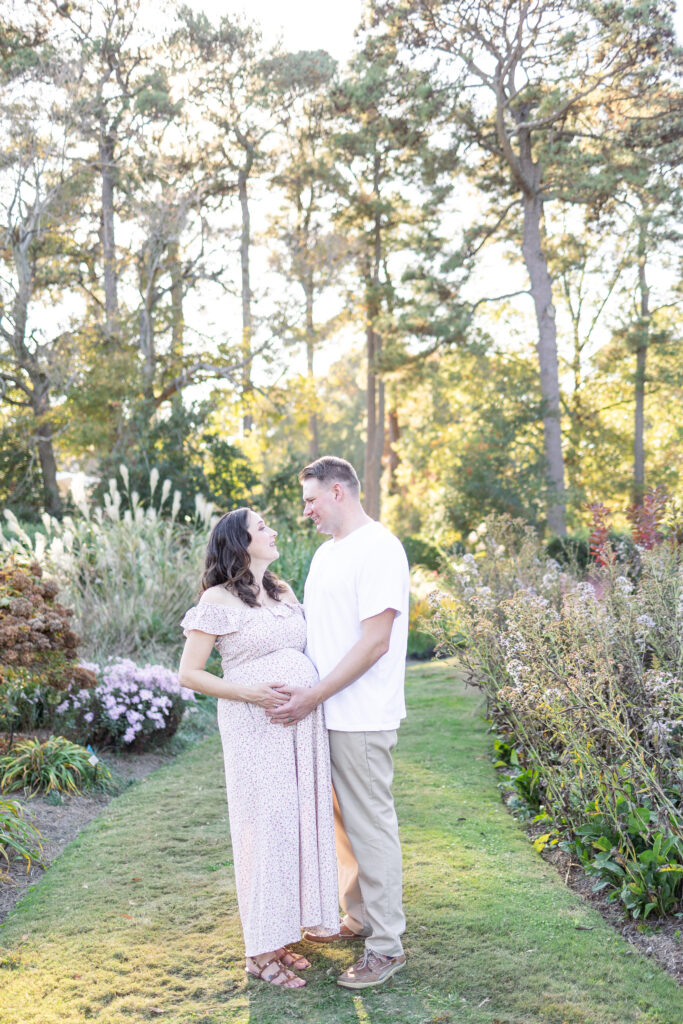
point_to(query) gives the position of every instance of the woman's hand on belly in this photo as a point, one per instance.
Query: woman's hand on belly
(266, 696)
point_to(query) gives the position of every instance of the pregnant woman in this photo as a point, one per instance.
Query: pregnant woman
(277, 777)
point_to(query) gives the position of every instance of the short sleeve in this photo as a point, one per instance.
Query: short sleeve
(211, 618)
(384, 578)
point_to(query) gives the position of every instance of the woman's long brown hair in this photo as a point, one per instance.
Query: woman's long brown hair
(228, 562)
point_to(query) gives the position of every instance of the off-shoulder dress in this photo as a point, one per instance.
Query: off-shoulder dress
(277, 778)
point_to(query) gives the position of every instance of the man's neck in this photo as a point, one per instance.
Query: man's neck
(354, 519)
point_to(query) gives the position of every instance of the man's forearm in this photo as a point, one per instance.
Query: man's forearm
(362, 656)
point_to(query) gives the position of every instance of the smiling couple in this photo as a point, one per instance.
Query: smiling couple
(308, 709)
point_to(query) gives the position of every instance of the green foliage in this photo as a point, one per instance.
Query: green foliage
(520, 780)
(462, 458)
(574, 551)
(296, 551)
(571, 551)
(281, 497)
(421, 552)
(420, 644)
(18, 838)
(21, 487)
(180, 449)
(26, 702)
(584, 682)
(54, 765)
(649, 875)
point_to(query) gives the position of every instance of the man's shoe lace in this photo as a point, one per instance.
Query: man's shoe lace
(372, 960)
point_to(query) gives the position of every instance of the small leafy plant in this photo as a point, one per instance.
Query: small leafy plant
(18, 838)
(57, 765)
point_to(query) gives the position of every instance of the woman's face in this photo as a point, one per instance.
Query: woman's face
(261, 548)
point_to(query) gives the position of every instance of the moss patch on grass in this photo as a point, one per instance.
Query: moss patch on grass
(138, 921)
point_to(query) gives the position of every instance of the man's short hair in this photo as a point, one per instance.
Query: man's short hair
(330, 469)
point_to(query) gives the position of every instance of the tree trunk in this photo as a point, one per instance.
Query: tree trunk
(44, 444)
(313, 438)
(245, 243)
(177, 323)
(40, 385)
(374, 446)
(146, 340)
(641, 361)
(371, 470)
(392, 455)
(111, 301)
(546, 347)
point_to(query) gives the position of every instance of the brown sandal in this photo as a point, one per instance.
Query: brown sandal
(286, 976)
(288, 958)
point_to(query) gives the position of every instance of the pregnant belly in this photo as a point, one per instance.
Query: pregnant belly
(287, 666)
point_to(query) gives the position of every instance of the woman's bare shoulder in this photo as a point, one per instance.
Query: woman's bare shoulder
(219, 595)
(288, 594)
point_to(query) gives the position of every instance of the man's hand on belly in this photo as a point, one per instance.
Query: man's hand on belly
(301, 702)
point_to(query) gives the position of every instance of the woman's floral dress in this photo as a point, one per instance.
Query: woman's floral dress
(277, 778)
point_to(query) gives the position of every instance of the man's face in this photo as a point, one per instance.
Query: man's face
(321, 504)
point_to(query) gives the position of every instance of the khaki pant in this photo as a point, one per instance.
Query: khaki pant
(366, 829)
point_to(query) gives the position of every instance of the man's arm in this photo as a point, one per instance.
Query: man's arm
(373, 643)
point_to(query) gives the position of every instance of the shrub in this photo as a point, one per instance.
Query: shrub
(37, 647)
(571, 551)
(18, 838)
(35, 630)
(57, 765)
(26, 703)
(588, 691)
(130, 708)
(421, 552)
(421, 642)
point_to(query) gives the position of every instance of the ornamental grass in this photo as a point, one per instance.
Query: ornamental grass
(130, 571)
(18, 838)
(54, 766)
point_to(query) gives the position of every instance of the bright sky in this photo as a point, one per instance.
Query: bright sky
(302, 24)
(316, 24)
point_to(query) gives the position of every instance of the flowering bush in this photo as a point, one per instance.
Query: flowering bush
(584, 682)
(131, 706)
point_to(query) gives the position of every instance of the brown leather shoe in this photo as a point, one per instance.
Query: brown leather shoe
(343, 935)
(372, 969)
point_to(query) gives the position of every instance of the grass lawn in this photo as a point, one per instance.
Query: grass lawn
(137, 920)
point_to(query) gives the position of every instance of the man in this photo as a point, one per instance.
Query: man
(356, 602)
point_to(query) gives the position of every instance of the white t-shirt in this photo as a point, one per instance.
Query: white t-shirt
(353, 579)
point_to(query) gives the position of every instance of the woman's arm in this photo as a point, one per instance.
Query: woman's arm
(194, 676)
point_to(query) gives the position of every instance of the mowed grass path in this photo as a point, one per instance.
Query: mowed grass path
(137, 920)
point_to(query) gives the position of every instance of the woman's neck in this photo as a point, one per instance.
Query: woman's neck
(258, 571)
